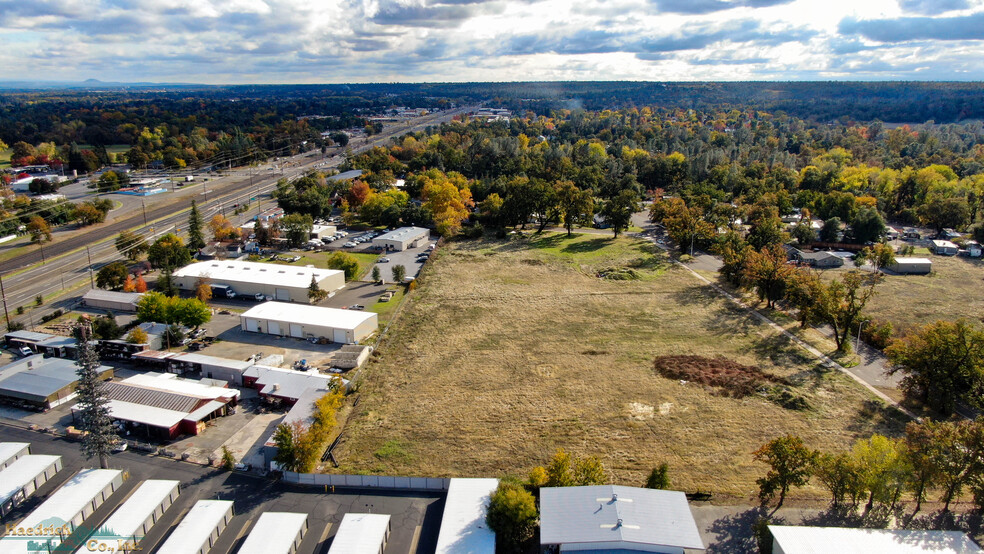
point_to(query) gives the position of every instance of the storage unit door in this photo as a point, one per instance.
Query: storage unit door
(273, 328)
(252, 325)
(296, 331)
(283, 294)
(339, 336)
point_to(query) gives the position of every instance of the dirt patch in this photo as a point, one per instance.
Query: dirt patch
(727, 377)
(640, 411)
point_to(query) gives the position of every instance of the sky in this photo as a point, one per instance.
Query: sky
(339, 41)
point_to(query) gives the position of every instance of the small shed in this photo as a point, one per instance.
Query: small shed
(402, 239)
(911, 266)
(944, 248)
(112, 300)
(838, 540)
(973, 249)
(323, 231)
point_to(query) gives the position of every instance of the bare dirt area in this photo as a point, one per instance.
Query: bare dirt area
(510, 350)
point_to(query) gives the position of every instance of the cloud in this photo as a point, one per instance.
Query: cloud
(904, 29)
(417, 15)
(698, 7)
(932, 7)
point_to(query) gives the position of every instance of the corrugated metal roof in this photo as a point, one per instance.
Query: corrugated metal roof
(309, 315)
(196, 527)
(287, 383)
(839, 540)
(28, 336)
(204, 411)
(113, 296)
(151, 397)
(47, 377)
(615, 514)
(229, 272)
(360, 534)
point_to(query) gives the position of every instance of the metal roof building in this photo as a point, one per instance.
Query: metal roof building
(42, 382)
(463, 527)
(282, 282)
(112, 300)
(361, 534)
(10, 451)
(21, 478)
(911, 266)
(63, 511)
(199, 529)
(131, 521)
(288, 385)
(276, 533)
(402, 238)
(838, 540)
(612, 517)
(300, 321)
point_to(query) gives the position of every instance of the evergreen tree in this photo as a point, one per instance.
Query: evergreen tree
(315, 292)
(96, 421)
(196, 240)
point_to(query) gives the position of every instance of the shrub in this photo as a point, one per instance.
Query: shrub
(228, 462)
(731, 378)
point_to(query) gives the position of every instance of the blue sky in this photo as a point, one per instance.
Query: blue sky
(336, 41)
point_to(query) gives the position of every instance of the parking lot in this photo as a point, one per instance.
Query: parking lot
(416, 517)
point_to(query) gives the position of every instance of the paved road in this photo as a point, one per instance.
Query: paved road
(252, 496)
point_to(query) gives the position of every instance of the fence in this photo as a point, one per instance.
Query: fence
(368, 481)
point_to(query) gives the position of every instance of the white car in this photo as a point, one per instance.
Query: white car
(349, 244)
(382, 260)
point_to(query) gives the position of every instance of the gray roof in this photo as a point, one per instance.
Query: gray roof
(822, 255)
(613, 514)
(28, 336)
(352, 174)
(48, 376)
(287, 383)
(113, 296)
(404, 233)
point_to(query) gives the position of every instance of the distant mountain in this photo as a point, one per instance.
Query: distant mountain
(89, 84)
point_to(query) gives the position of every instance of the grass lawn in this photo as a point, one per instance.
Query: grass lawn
(510, 350)
(385, 310)
(320, 259)
(953, 290)
(5, 157)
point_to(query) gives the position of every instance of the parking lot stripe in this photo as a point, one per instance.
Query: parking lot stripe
(416, 537)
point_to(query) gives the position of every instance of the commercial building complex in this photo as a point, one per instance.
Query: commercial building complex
(299, 321)
(402, 239)
(281, 282)
(42, 383)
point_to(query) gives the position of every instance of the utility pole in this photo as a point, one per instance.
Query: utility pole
(144, 206)
(4, 295)
(92, 282)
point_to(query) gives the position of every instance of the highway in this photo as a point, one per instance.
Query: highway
(74, 259)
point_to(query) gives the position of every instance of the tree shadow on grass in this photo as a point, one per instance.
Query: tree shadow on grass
(586, 246)
(734, 533)
(875, 417)
(696, 295)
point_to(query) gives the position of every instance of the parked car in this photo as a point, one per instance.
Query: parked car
(25, 351)
(356, 307)
(349, 244)
(242, 467)
(120, 447)
(382, 260)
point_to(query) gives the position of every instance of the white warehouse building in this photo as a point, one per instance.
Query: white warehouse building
(292, 320)
(281, 282)
(402, 239)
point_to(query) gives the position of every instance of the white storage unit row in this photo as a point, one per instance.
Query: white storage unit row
(305, 321)
(463, 527)
(199, 529)
(130, 522)
(361, 534)
(10, 451)
(21, 478)
(63, 511)
(276, 533)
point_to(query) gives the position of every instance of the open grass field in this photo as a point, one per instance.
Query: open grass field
(5, 158)
(510, 350)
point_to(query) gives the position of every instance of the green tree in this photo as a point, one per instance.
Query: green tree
(315, 292)
(576, 206)
(804, 233)
(879, 256)
(840, 303)
(942, 213)
(377, 275)
(399, 273)
(881, 465)
(168, 252)
(791, 464)
(190, 312)
(512, 514)
(196, 236)
(830, 230)
(131, 245)
(768, 273)
(285, 439)
(618, 211)
(153, 306)
(841, 477)
(867, 225)
(346, 262)
(112, 276)
(106, 327)
(659, 477)
(942, 364)
(109, 182)
(296, 228)
(95, 420)
(228, 461)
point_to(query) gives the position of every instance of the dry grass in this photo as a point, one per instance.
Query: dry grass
(509, 351)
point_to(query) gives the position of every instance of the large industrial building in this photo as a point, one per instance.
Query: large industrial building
(281, 282)
(402, 239)
(302, 322)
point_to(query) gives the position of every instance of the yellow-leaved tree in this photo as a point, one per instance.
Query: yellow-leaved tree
(448, 198)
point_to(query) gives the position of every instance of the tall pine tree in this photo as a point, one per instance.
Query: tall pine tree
(101, 434)
(196, 240)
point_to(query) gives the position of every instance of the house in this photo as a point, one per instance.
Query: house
(909, 233)
(821, 260)
(303, 321)
(613, 518)
(838, 540)
(944, 248)
(892, 233)
(403, 238)
(911, 266)
(283, 282)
